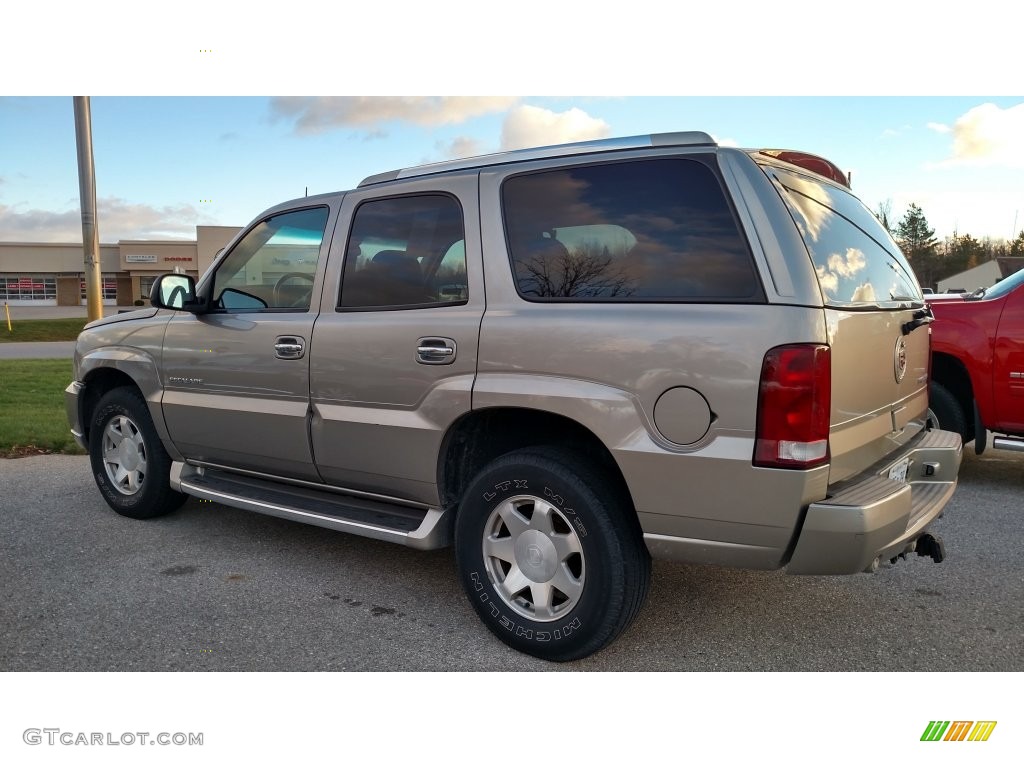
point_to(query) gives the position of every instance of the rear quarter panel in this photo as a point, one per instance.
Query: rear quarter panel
(607, 365)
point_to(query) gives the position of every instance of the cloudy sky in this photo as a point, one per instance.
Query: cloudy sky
(166, 163)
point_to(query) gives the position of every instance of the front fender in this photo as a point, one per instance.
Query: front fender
(100, 367)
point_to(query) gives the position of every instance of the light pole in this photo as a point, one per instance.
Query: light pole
(87, 195)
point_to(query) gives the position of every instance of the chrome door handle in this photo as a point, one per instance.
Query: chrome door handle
(289, 347)
(435, 350)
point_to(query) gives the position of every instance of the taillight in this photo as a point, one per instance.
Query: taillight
(929, 355)
(793, 405)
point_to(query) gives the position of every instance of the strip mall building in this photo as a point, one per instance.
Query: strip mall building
(54, 273)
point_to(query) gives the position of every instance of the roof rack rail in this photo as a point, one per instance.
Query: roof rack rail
(677, 139)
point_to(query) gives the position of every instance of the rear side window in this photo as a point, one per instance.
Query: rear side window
(857, 262)
(647, 230)
(405, 252)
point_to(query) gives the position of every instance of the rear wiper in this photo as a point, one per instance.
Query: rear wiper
(921, 317)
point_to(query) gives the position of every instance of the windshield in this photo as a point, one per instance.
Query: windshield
(857, 262)
(1004, 286)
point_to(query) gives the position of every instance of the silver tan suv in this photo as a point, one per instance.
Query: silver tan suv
(561, 360)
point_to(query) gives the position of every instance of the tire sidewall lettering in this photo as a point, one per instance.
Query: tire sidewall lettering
(518, 629)
(514, 625)
(504, 486)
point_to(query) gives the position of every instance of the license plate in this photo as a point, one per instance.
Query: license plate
(899, 471)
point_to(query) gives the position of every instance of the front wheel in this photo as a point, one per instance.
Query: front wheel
(130, 464)
(550, 554)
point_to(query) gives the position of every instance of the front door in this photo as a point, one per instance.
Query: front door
(236, 390)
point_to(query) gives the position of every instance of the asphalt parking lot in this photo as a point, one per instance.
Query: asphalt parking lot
(214, 588)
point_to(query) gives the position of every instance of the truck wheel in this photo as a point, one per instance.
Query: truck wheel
(550, 554)
(946, 411)
(129, 462)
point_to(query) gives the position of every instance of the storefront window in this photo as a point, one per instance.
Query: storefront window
(108, 284)
(27, 288)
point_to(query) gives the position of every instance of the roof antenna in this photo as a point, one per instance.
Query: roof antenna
(307, 192)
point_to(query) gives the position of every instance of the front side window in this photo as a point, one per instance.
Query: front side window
(274, 265)
(857, 262)
(405, 252)
(648, 230)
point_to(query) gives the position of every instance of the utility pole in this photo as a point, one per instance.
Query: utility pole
(87, 196)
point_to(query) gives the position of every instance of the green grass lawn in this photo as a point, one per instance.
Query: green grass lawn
(32, 417)
(65, 329)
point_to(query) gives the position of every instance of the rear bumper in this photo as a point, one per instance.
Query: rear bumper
(873, 518)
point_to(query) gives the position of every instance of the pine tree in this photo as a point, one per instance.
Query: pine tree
(1017, 246)
(917, 241)
(961, 253)
(915, 237)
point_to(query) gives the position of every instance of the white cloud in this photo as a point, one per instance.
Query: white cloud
(864, 292)
(988, 135)
(845, 266)
(940, 127)
(725, 142)
(117, 220)
(324, 113)
(828, 281)
(529, 126)
(889, 133)
(461, 146)
(848, 264)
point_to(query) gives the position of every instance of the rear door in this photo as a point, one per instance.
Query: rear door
(871, 297)
(395, 349)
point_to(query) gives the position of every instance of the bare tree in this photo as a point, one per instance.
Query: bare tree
(586, 272)
(884, 214)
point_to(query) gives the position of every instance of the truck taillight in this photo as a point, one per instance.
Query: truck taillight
(793, 405)
(929, 355)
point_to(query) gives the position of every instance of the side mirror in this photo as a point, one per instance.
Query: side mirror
(175, 292)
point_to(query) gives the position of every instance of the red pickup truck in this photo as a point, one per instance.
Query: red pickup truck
(977, 377)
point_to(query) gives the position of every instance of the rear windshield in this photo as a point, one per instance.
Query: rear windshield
(857, 262)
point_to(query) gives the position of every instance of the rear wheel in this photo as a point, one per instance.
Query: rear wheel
(946, 412)
(131, 467)
(550, 554)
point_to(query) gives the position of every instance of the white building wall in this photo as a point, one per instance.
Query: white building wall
(982, 276)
